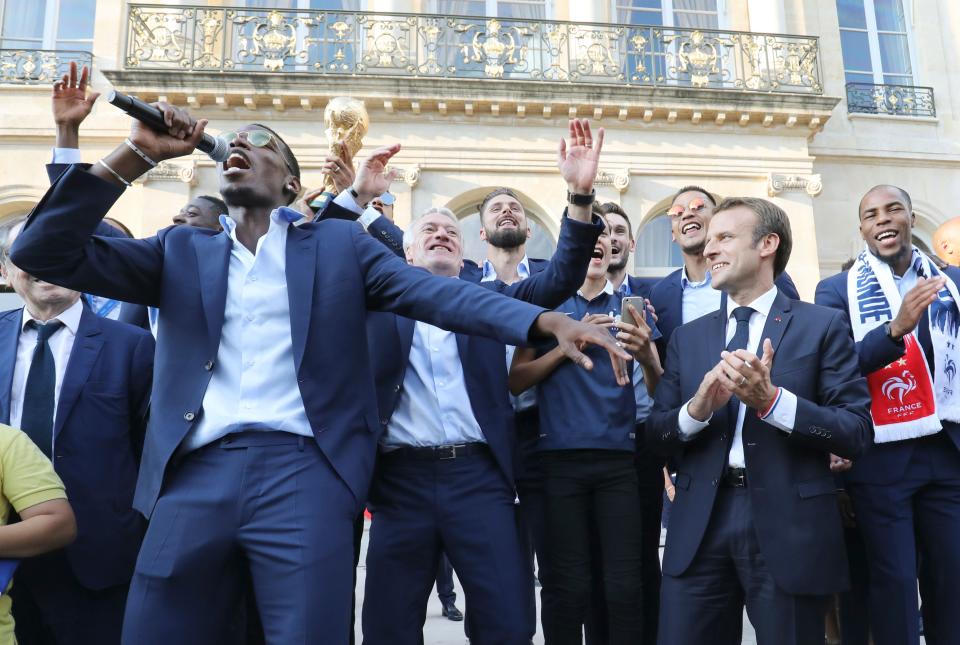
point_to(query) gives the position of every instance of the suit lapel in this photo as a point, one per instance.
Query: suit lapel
(213, 261)
(9, 335)
(86, 348)
(673, 314)
(301, 271)
(777, 322)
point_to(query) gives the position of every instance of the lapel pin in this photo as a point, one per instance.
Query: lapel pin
(777, 319)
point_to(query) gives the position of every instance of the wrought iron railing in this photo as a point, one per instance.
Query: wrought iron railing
(33, 66)
(901, 100)
(316, 42)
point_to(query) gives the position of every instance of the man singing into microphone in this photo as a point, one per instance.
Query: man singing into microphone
(263, 428)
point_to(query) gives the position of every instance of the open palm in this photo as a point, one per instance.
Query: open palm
(71, 104)
(579, 160)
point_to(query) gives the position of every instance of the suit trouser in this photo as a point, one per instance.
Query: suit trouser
(704, 606)
(462, 507)
(445, 590)
(270, 499)
(924, 504)
(51, 607)
(854, 604)
(591, 491)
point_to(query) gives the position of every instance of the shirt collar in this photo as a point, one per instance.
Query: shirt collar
(607, 289)
(282, 215)
(761, 305)
(490, 272)
(625, 289)
(687, 282)
(70, 317)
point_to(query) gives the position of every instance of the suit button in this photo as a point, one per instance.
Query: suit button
(189, 416)
(383, 233)
(715, 482)
(723, 437)
(384, 421)
(396, 388)
(208, 365)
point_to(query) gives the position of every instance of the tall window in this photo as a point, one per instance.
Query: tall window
(329, 5)
(875, 39)
(47, 24)
(655, 247)
(531, 9)
(697, 14)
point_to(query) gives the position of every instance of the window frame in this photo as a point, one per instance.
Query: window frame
(667, 13)
(873, 43)
(49, 39)
(490, 7)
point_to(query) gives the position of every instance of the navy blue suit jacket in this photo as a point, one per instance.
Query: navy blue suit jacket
(129, 313)
(335, 273)
(98, 437)
(883, 463)
(792, 492)
(483, 359)
(666, 296)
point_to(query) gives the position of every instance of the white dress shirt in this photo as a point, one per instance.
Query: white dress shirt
(254, 380)
(60, 343)
(697, 298)
(784, 414)
(434, 408)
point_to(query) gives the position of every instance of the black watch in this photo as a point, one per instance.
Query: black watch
(581, 200)
(889, 333)
(356, 198)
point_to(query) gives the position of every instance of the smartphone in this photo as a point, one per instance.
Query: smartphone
(637, 302)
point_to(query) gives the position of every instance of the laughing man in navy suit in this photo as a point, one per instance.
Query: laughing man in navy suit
(750, 429)
(448, 419)
(263, 426)
(686, 294)
(78, 385)
(906, 487)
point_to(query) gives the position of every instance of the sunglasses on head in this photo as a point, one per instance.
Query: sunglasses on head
(695, 206)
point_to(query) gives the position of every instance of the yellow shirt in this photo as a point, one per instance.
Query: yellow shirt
(26, 479)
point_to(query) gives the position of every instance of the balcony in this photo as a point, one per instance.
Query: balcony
(282, 57)
(38, 66)
(895, 100)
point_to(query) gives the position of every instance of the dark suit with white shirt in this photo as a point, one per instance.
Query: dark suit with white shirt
(770, 539)
(79, 592)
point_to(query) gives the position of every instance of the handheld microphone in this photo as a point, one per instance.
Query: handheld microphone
(217, 148)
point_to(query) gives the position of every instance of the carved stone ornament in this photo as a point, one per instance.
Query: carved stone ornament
(810, 184)
(185, 172)
(409, 176)
(620, 181)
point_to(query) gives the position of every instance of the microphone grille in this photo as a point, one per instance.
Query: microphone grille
(221, 149)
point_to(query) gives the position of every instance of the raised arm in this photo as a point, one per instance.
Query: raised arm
(57, 243)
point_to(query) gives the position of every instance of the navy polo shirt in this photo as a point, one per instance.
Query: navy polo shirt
(581, 409)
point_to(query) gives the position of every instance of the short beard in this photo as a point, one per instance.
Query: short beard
(893, 259)
(695, 250)
(508, 238)
(619, 264)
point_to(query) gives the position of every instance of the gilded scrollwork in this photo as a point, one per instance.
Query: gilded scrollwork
(314, 41)
(26, 66)
(495, 45)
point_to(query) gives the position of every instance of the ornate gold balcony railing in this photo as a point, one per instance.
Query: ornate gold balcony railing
(317, 42)
(37, 66)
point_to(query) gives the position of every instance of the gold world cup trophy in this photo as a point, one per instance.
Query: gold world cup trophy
(346, 121)
(946, 242)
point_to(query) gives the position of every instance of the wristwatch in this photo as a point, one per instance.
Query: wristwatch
(581, 200)
(356, 197)
(889, 333)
